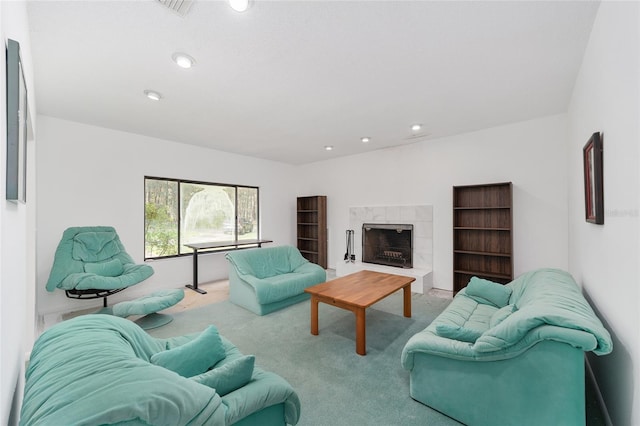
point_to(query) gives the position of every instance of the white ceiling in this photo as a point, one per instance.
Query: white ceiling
(285, 78)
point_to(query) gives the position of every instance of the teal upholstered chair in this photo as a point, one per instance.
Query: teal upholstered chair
(91, 262)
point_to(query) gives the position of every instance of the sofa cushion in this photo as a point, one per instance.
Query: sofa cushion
(266, 262)
(110, 268)
(465, 312)
(455, 332)
(229, 376)
(500, 315)
(485, 291)
(193, 357)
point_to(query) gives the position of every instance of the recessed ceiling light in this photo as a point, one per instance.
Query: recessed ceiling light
(416, 127)
(239, 5)
(365, 139)
(183, 60)
(328, 147)
(153, 95)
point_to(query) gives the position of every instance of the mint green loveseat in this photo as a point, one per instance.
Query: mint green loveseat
(100, 369)
(515, 357)
(264, 280)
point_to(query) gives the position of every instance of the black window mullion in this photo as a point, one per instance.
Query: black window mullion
(179, 196)
(235, 211)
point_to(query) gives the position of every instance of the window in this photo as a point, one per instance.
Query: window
(178, 212)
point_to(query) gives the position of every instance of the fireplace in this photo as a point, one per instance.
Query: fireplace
(386, 244)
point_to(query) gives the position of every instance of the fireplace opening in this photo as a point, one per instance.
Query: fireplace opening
(385, 244)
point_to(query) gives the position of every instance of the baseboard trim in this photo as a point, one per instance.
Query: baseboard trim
(593, 380)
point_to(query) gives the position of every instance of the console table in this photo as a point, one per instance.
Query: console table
(230, 245)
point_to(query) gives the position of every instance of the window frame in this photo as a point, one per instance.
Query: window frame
(179, 214)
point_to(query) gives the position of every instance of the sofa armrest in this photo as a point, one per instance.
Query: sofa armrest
(253, 281)
(311, 268)
(430, 343)
(264, 390)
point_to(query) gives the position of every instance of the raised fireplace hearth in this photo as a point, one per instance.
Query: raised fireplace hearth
(388, 244)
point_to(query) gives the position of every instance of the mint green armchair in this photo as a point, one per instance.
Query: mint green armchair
(91, 262)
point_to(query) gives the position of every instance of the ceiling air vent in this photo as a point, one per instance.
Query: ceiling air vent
(417, 137)
(181, 7)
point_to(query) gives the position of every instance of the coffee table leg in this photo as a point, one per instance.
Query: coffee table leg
(407, 301)
(361, 328)
(314, 315)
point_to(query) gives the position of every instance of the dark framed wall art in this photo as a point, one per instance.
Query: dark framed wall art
(593, 180)
(16, 189)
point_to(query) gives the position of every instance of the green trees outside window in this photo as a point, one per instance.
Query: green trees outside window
(179, 212)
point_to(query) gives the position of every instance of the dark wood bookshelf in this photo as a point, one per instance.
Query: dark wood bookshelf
(482, 233)
(312, 228)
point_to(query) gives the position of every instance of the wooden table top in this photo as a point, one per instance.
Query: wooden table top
(361, 289)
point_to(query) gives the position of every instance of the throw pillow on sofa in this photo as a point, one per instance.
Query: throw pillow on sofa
(229, 376)
(193, 357)
(455, 332)
(488, 293)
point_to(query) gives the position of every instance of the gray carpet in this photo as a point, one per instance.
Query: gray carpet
(335, 385)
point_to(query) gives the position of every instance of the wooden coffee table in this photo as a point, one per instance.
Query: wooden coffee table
(356, 292)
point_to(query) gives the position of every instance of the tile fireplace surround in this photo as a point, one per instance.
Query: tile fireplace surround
(421, 217)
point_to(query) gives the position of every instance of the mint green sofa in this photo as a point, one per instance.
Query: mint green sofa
(505, 355)
(101, 369)
(264, 280)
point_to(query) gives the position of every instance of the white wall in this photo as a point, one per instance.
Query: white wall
(530, 154)
(605, 258)
(17, 235)
(94, 176)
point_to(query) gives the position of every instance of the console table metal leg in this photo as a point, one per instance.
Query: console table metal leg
(194, 286)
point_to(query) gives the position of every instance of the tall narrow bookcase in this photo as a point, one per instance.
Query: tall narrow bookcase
(312, 228)
(482, 233)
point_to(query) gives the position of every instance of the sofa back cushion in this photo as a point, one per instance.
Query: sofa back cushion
(544, 297)
(500, 315)
(266, 262)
